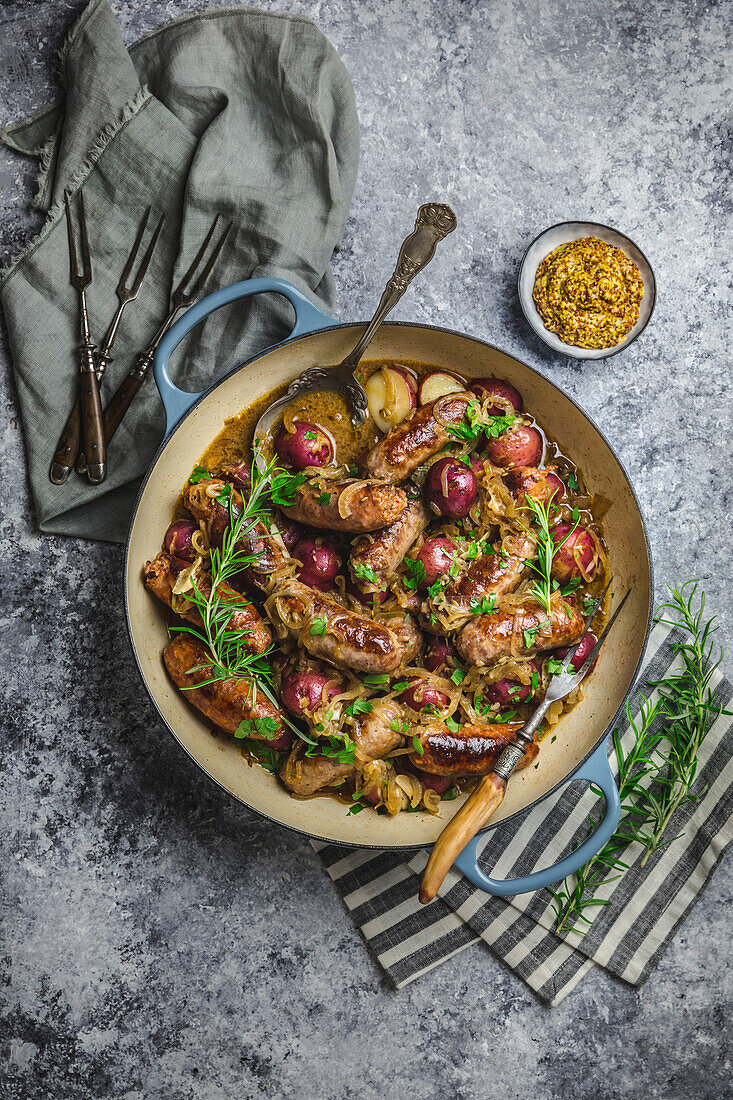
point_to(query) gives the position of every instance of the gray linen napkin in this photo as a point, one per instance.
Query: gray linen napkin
(626, 937)
(229, 110)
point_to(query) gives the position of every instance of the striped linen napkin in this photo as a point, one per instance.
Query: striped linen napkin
(626, 937)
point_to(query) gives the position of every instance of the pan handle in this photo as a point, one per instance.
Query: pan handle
(176, 402)
(596, 770)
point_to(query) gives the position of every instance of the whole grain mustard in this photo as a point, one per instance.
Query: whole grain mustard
(588, 292)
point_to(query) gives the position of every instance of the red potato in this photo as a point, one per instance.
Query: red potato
(305, 691)
(586, 645)
(437, 384)
(436, 556)
(478, 465)
(240, 475)
(178, 539)
(451, 488)
(440, 655)
(421, 694)
(320, 562)
(520, 446)
(438, 783)
(412, 602)
(508, 692)
(290, 532)
(577, 556)
(494, 387)
(306, 445)
(409, 378)
(391, 394)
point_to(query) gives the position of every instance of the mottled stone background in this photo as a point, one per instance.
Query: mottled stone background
(161, 941)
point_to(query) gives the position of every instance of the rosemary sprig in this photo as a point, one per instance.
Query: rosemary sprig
(547, 548)
(656, 776)
(227, 648)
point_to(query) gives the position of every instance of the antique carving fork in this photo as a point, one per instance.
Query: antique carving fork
(69, 447)
(89, 419)
(488, 795)
(125, 295)
(434, 222)
(184, 295)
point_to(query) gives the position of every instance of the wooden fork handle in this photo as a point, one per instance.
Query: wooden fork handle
(92, 420)
(483, 801)
(123, 396)
(68, 447)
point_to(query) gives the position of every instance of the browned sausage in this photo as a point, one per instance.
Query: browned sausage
(530, 481)
(472, 750)
(407, 632)
(259, 541)
(349, 505)
(488, 637)
(413, 441)
(376, 557)
(224, 702)
(493, 574)
(160, 577)
(304, 775)
(329, 631)
(376, 735)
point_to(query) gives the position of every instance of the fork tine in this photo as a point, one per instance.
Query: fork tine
(594, 652)
(73, 264)
(122, 285)
(84, 240)
(147, 257)
(180, 289)
(199, 284)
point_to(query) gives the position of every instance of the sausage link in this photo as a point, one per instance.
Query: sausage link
(375, 736)
(329, 631)
(488, 637)
(380, 554)
(160, 577)
(304, 775)
(496, 573)
(258, 540)
(224, 702)
(413, 441)
(473, 750)
(349, 505)
(530, 481)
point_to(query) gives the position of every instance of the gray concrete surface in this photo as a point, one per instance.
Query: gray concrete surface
(158, 939)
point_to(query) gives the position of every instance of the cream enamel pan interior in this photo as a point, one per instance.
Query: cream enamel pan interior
(577, 734)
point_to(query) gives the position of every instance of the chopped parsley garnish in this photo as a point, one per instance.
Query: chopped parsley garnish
(484, 606)
(359, 706)
(318, 627)
(334, 747)
(416, 571)
(399, 725)
(324, 498)
(553, 666)
(473, 424)
(200, 473)
(435, 589)
(417, 745)
(224, 496)
(355, 809)
(529, 636)
(535, 681)
(311, 435)
(452, 725)
(400, 685)
(375, 680)
(268, 758)
(572, 483)
(262, 727)
(450, 794)
(364, 572)
(457, 676)
(507, 717)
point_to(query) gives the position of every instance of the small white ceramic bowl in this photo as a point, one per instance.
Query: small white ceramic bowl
(571, 231)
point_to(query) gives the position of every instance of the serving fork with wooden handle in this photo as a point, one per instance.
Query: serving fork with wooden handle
(488, 795)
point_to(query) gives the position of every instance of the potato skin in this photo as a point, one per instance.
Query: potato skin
(495, 387)
(520, 446)
(454, 499)
(576, 556)
(300, 451)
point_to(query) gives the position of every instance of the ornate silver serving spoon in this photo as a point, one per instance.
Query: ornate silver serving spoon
(434, 222)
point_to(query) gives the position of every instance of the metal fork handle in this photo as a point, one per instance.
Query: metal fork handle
(434, 222)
